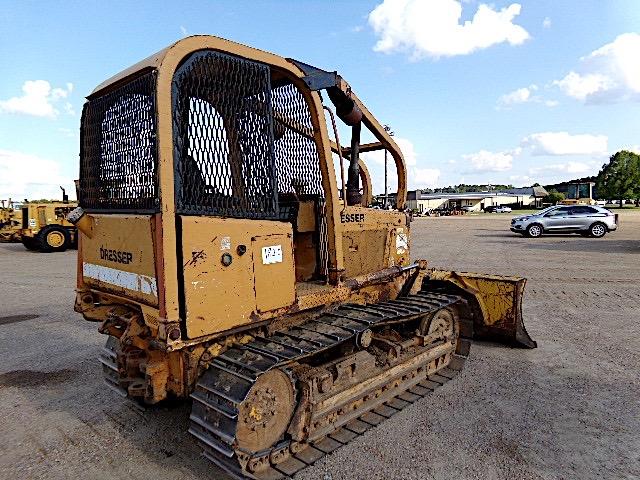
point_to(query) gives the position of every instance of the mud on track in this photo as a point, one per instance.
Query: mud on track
(568, 409)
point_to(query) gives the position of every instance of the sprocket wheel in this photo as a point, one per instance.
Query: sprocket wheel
(265, 413)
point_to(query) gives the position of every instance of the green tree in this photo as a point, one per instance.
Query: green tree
(620, 178)
(553, 197)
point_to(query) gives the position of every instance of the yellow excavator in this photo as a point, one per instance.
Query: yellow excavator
(229, 262)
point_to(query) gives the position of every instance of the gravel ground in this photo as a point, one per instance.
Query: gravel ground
(568, 409)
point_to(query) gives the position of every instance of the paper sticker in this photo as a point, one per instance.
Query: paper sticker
(225, 243)
(402, 243)
(272, 254)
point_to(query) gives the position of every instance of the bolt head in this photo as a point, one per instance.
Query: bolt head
(174, 333)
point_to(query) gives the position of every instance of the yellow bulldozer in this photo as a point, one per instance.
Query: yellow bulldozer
(229, 262)
(45, 227)
(10, 221)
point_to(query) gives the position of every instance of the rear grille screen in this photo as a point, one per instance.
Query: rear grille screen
(118, 160)
(223, 138)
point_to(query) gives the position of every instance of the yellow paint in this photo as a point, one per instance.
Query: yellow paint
(219, 297)
(370, 245)
(122, 233)
(274, 283)
(498, 296)
(255, 413)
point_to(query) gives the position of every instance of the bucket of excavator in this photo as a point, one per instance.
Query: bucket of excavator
(495, 301)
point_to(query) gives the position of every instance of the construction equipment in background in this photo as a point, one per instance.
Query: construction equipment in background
(45, 227)
(10, 221)
(226, 262)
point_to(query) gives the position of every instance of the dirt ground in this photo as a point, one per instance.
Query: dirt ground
(568, 409)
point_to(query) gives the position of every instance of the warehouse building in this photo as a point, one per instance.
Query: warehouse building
(527, 197)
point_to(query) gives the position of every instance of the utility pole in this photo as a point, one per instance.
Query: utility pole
(387, 129)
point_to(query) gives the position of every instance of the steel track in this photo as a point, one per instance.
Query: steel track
(230, 376)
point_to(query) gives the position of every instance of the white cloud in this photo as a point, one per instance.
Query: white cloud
(521, 179)
(581, 86)
(183, 30)
(546, 23)
(432, 27)
(29, 176)
(38, 99)
(417, 177)
(406, 147)
(58, 93)
(485, 161)
(607, 75)
(573, 168)
(423, 177)
(521, 95)
(633, 148)
(69, 133)
(408, 151)
(563, 143)
(68, 108)
(563, 171)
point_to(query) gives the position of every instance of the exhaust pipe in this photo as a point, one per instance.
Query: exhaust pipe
(349, 113)
(82, 221)
(65, 197)
(346, 108)
(354, 197)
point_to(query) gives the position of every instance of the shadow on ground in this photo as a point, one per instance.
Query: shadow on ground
(590, 246)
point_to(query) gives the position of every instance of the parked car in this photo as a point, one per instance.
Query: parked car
(497, 209)
(594, 221)
(467, 208)
(440, 212)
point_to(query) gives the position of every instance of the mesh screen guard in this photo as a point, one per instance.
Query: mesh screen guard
(240, 141)
(297, 163)
(223, 138)
(118, 161)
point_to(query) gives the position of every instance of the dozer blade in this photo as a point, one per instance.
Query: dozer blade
(497, 301)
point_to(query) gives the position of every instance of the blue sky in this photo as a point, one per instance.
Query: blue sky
(503, 92)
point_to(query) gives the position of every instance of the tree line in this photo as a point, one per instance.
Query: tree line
(619, 179)
(464, 188)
